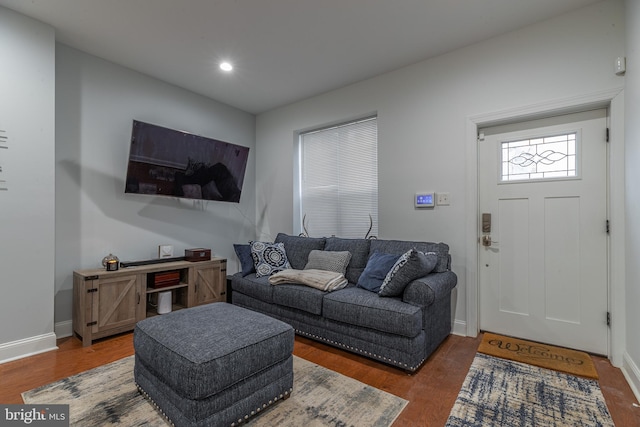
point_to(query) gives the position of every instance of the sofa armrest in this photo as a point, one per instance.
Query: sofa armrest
(426, 290)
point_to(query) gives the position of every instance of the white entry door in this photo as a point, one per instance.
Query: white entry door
(543, 264)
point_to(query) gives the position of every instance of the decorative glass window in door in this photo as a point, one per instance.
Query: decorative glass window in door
(548, 157)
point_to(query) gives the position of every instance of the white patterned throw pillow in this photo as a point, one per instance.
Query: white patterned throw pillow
(269, 258)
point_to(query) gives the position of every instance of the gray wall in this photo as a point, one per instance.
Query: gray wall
(96, 102)
(27, 91)
(423, 111)
(632, 145)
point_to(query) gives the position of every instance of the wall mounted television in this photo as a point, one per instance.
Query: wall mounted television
(168, 162)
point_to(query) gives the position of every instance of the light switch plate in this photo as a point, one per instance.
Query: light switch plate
(443, 199)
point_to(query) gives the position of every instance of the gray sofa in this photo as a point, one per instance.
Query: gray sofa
(401, 331)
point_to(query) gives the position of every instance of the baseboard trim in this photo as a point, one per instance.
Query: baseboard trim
(632, 374)
(459, 328)
(27, 347)
(63, 329)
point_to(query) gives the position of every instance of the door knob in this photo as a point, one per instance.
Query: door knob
(487, 241)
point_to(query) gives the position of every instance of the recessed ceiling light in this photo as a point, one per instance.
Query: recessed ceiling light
(225, 66)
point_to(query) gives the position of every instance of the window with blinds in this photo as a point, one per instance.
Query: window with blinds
(339, 180)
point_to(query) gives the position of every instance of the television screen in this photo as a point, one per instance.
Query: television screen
(167, 162)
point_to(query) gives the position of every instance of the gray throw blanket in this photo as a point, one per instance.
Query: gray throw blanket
(320, 279)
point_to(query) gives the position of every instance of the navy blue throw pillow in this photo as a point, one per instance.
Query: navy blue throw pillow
(376, 270)
(246, 260)
(410, 266)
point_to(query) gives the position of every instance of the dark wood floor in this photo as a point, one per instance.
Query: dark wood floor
(431, 391)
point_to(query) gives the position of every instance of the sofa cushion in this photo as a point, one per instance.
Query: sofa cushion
(269, 258)
(376, 270)
(357, 306)
(301, 297)
(329, 261)
(410, 266)
(401, 246)
(298, 248)
(256, 287)
(359, 249)
(246, 260)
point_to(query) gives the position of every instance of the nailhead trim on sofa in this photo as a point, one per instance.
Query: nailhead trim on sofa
(357, 350)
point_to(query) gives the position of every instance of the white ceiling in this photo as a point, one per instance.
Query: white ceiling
(282, 50)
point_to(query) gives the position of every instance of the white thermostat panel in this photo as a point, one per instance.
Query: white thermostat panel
(425, 200)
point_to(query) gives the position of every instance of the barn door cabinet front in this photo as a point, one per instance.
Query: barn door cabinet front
(106, 305)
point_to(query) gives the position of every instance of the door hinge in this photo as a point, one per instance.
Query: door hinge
(608, 227)
(608, 318)
(607, 135)
(95, 322)
(92, 290)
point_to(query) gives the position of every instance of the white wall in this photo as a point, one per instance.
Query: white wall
(27, 90)
(632, 145)
(96, 102)
(422, 115)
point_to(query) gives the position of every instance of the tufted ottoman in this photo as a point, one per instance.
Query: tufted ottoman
(213, 365)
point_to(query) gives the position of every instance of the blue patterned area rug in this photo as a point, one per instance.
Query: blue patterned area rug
(499, 392)
(107, 396)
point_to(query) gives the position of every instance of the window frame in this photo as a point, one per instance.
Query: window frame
(298, 213)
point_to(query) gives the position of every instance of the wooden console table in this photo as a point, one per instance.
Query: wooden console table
(110, 302)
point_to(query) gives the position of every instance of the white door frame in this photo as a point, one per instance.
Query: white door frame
(613, 100)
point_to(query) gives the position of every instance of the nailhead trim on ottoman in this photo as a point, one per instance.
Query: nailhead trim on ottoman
(213, 365)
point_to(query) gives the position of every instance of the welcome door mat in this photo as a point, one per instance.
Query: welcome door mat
(108, 396)
(504, 393)
(537, 354)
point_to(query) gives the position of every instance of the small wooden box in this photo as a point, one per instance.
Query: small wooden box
(197, 254)
(164, 279)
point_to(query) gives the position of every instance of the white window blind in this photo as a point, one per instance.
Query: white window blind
(339, 180)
